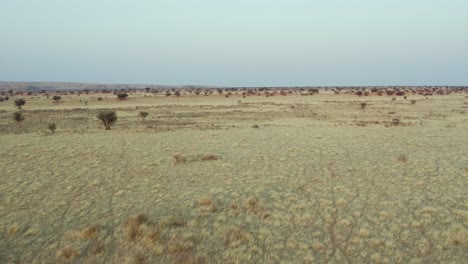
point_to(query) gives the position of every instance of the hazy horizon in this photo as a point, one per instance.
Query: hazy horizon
(241, 43)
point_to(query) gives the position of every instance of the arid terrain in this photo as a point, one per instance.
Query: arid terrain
(291, 178)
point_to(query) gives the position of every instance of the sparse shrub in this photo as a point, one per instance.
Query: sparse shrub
(393, 99)
(1, 99)
(255, 126)
(99, 98)
(20, 102)
(108, 118)
(402, 158)
(56, 98)
(143, 115)
(363, 105)
(413, 102)
(395, 121)
(122, 96)
(18, 117)
(52, 127)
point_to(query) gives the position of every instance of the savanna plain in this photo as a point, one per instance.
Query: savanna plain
(289, 178)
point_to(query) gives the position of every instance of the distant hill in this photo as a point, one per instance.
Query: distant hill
(53, 86)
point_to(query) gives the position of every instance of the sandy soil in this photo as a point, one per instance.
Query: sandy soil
(319, 181)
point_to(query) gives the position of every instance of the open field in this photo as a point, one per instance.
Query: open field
(318, 180)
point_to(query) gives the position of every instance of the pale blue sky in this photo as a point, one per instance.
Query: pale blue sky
(235, 43)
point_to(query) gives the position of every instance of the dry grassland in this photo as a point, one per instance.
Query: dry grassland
(321, 180)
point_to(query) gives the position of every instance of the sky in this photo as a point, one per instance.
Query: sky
(236, 42)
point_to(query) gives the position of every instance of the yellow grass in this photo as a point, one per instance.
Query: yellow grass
(319, 181)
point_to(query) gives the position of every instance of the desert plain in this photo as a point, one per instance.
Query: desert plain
(240, 179)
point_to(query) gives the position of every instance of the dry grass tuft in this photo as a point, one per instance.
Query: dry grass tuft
(402, 158)
(132, 227)
(253, 205)
(90, 232)
(172, 221)
(66, 254)
(97, 249)
(237, 236)
(186, 258)
(179, 159)
(13, 229)
(458, 238)
(152, 237)
(207, 205)
(136, 259)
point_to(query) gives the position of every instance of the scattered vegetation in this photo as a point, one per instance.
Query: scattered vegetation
(18, 117)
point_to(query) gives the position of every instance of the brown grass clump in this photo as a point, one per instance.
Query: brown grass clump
(89, 232)
(402, 158)
(152, 237)
(66, 254)
(253, 205)
(132, 226)
(207, 205)
(97, 249)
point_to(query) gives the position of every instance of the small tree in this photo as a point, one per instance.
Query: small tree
(108, 118)
(56, 98)
(20, 102)
(52, 127)
(18, 117)
(363, 105)
(143, 115)
(122, 96)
